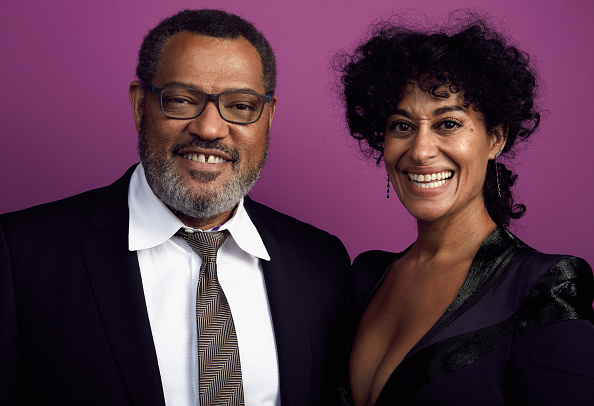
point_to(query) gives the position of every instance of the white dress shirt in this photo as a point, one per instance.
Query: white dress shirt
(170, 269)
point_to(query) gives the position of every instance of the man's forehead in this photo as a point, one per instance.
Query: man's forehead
(188, 54)
(186, 41)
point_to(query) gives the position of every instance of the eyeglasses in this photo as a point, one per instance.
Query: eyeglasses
(188, 103)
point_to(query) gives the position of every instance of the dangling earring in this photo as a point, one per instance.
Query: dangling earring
(497, 172)
(388, 189)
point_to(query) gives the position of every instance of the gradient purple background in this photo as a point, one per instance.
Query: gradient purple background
(67, 124)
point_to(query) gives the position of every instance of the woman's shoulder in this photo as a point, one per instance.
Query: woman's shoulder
(368, 269)
(567, 265)
(372, 260)
(541, 267)
(564, 290)
(553, 266)
(553, 334)
(370, 266)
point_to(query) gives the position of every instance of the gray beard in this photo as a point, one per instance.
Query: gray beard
(171, 190)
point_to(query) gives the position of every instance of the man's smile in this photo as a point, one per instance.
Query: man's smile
(205, 158)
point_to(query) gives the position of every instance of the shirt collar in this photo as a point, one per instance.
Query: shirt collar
(151, 223)
(245, 234)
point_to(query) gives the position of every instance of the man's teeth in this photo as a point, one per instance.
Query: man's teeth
(430, 180)
(211, 159)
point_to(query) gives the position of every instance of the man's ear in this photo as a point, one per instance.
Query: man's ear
(136, 94)
(272, 109)
(499, 137)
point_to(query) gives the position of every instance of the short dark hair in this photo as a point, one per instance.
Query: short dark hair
(211, 23)
(471, 57)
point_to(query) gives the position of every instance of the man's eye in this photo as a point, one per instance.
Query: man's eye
(240, 101)
(178, 97)
(241, 106)
(177, 100)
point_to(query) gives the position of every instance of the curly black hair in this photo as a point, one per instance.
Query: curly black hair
(211, 23)
(471, 57)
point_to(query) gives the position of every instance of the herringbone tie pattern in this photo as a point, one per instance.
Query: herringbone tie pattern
(218, 353)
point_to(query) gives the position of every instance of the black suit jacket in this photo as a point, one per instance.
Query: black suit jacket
(74, 328)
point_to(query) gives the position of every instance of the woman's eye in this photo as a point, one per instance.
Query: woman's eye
(449, 125)
(400, 126)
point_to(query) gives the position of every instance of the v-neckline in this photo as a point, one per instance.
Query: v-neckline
(493, 257)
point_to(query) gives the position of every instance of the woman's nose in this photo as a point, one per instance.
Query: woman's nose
(424, 145)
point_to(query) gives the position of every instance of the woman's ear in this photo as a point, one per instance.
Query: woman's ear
(499, 137)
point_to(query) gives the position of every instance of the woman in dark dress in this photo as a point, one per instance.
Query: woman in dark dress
(468, 314)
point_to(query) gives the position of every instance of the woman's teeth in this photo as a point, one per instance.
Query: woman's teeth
(211, 159)
(430, 180)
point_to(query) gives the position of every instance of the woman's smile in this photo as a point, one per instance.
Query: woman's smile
(429, 180)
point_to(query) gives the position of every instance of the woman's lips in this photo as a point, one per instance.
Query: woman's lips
(429, 180)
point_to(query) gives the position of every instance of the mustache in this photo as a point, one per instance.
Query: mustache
(208, 144)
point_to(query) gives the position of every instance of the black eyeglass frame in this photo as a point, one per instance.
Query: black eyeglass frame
(266, 98)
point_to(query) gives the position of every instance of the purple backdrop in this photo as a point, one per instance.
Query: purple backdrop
(67, 123)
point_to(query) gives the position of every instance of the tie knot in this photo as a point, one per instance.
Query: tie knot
(206, 244)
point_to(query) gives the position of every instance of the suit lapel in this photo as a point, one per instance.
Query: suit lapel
(115, 276)
(284, 287)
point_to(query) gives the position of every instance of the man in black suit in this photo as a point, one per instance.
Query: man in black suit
(98, 291)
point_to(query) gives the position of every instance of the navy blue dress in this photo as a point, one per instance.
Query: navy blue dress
(520, 331)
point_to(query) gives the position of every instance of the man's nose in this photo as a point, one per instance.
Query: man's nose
(209, 125)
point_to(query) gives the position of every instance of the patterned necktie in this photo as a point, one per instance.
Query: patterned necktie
(218, 353)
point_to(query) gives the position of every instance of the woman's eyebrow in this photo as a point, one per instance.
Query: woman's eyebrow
(446, 109)
(437, 112)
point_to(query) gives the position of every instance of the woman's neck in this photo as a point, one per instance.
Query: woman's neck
(458, 237)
